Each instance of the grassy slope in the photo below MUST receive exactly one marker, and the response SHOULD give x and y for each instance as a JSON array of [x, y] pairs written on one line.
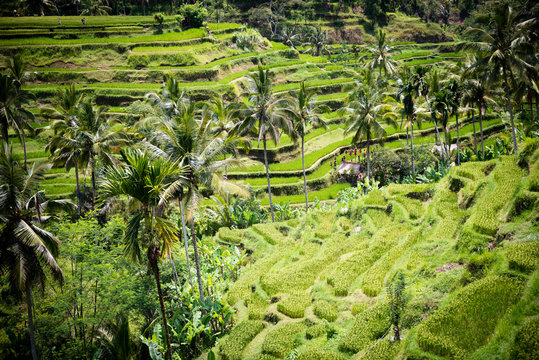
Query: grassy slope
[[463, 300]]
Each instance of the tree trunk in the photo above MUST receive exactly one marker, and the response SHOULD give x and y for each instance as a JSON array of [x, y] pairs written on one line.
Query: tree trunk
[[481, 132], [304, 176], [184, 233], [23, 138], [510, 108], [153, 254], [197, 262], [368, 159], [458, 139], [474, 133], [537, 106], [268, 178], [29, 306], [93, 186], [412, 142], [78, 187], [437, 133]]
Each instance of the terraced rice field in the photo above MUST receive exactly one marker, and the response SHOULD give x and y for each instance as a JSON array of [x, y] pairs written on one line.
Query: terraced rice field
[[119, 68]]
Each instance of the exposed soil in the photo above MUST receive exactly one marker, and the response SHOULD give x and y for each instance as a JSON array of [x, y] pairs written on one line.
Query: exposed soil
[[449, 266]]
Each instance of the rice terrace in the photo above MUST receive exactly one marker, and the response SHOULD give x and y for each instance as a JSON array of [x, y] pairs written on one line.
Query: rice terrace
[[263, 180]]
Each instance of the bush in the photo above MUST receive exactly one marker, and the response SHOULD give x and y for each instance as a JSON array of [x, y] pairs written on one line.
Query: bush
[[526, 345], [294, 305], [232, 346], [315, 331], [316, 354], [248, 39], [194, 15], [280, 340], [523, 256], [479, 306], [325, 310], [369, 326]]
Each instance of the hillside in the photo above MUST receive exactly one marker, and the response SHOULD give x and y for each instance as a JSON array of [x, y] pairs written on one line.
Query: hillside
[[118, 60], [315, 287]]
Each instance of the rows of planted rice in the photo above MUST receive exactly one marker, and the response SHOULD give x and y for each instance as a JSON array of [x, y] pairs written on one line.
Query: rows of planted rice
[[317, 288]]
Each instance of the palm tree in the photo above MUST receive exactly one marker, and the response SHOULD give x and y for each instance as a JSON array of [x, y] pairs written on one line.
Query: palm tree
[[85, 138], [144, 180], [17, 69], [504, 49], [380, 55], [476, 94], [440, 107], [187, 138], [317, 41], [365, 106], [306, 113], [288, 36], [96, 7], [454, 89], [405, 94], [224, 117], [12, 114], [68, 153], [27, 251], [266, 114]]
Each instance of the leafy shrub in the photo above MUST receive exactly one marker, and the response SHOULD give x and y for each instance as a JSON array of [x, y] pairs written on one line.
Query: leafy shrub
[[317, 354], [315, 331], [232, 346], [294, 305], [194, 15], [368, 326], [280, 340], [523, 256], [479, 305], [248, 39], [230, 235], [256, 307], [526, 345], [325, 310]]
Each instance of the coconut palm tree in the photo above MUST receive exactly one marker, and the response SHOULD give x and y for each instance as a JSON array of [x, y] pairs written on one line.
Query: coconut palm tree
[[365, 107], [95, 7], [188, 139], [12, 113], [504, 48], [266, 114], [317, 41], [85, 138], [27, 252], [379, 55], [405, 94], [440, 107], [144, 179], [306, 113], [454, 89], [17, 69]]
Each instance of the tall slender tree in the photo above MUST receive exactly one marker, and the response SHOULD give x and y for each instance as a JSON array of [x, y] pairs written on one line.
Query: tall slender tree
[[379, 55], [27, 252], [144, 180], [366, 108], [306, 113], [266, 114], [504, 48]]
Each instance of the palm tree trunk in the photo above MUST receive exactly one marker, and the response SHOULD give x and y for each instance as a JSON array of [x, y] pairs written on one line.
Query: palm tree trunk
[[368, 159], [412, 142], [197, 262], [510, 108], [304, 176], [23, 138], [474, 133], [153, 254], [437, 132], [29, 306], [458, 139], [481, 131], [537, 106], [184, 233], [93, 186], [268, 178], [79, 205]]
